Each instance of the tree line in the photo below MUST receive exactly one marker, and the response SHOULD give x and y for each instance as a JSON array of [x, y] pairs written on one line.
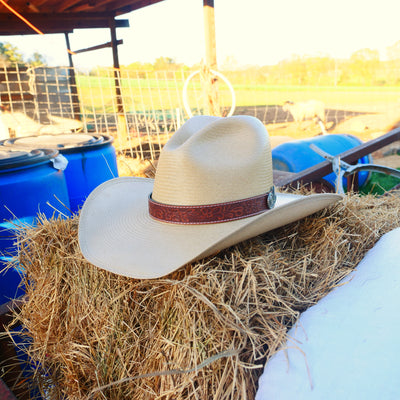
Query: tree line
[[363, 68], [10, 54]]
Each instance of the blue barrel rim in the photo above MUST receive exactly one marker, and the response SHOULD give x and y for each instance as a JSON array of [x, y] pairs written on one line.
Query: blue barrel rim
[[91, 160], [94, 142], [26, 158]]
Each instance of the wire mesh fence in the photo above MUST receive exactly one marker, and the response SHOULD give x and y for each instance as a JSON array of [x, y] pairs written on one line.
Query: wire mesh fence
[[142, 109]]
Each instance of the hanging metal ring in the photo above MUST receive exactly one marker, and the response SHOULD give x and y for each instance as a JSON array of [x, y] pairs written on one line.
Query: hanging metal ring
[[216, 73]]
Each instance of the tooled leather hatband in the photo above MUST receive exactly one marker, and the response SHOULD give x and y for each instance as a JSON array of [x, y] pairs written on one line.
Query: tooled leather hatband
[[212, 213]]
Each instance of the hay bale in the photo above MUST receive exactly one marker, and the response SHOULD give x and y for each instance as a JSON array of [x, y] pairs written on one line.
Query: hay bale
[[204, 331], [128, 166]]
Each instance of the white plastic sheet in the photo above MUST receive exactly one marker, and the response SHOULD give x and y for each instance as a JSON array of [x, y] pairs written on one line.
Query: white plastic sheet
[[347, 346]]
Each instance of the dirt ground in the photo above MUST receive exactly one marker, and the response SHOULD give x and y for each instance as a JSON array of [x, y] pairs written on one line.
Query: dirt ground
[[366, 125], [362, 122], [366, 122]]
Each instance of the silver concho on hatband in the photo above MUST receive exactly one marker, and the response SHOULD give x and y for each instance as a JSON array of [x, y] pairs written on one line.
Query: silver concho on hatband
[[271, 199]]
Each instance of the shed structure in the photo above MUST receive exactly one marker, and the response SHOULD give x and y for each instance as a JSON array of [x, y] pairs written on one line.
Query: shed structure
[[60, 16], [21, 17]]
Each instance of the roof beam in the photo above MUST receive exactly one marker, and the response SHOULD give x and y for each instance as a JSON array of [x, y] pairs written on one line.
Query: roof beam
[[126, 6], [57, 23], [67, 5]]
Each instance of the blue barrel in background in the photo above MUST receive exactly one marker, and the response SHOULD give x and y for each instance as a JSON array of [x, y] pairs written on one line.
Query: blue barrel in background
[[296, 156], [9, 231], [12, 286], [91, 160], [31, 184], [11, 273], [10, 280]]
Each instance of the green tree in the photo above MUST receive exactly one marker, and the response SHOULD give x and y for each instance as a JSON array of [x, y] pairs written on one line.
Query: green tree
[[294, 70], [393, 52], [10, 53], [37, 59], [392, 66], [363, 66], [164, 63], [140, 66]]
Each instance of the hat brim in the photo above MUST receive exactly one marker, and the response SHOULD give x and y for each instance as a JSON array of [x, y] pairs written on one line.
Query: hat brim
[[116, 232]]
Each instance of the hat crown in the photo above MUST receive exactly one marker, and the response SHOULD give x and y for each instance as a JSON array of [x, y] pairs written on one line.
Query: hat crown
[[212, 160]]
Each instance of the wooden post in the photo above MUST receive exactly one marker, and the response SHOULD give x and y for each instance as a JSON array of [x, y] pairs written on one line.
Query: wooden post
[[69, 51], [76, 109], [210, 81], [209, 30], [121, 121]]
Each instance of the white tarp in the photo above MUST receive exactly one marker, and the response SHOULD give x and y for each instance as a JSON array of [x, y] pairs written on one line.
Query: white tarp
[[347, 346]]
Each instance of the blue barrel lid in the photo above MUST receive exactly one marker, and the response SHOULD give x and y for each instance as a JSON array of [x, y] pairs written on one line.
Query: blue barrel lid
[[12, 158], [64, 143]]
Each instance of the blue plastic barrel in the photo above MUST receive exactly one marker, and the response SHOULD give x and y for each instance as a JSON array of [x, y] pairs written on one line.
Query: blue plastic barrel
[[91, 160], [30, 183], [9, 231], [11, 287], [11, 277], [296, 156], [10, 280]]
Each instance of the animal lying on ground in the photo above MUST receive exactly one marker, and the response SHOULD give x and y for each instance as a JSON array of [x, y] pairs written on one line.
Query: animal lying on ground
[[301, 111]]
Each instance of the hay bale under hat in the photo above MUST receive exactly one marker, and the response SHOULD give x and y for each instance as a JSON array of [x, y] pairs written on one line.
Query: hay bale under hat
[[204, 331]]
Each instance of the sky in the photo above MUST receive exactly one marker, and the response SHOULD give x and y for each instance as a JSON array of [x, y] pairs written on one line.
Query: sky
[[251, 32]]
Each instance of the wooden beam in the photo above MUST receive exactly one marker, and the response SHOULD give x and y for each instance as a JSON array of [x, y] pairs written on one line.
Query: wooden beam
[[57, 23], [209, 30], [76, 109], [13, 373], [67, 5], [85, 4], [67, 42], [121, 7], [68, 16], [106, 5], [98, 47], [32, 7], [5, 392], [84, 7], [121, 120], [113, 32]]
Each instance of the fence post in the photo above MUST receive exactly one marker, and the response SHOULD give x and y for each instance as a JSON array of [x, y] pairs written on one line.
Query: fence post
[[210, 81], [76, 110], [121, 120]]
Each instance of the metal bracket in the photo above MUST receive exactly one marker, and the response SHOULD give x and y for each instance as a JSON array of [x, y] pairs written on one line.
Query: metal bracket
[[343, 169]]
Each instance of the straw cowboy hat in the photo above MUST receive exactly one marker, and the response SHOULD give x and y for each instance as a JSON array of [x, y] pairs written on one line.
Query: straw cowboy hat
[[213, 188]]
